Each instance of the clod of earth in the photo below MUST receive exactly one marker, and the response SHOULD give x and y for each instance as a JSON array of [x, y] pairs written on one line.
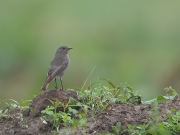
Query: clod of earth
[[41, 101]]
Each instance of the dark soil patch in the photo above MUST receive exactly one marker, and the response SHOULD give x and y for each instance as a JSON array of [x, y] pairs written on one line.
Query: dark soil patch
[[31, 123]]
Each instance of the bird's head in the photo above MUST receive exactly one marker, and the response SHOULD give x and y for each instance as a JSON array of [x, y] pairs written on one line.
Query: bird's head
[[63, 50]]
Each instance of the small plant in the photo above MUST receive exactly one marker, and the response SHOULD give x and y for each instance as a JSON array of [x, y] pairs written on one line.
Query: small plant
[[171, 94], [13, 104], [170, 127], [60, 119], [117, 128], [56, 118], [98, 97], [95, 99], [173, 124], [137, 130], [4, 114]]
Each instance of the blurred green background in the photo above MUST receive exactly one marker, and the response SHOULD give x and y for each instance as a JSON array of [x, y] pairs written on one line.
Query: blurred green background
[[137, 42]]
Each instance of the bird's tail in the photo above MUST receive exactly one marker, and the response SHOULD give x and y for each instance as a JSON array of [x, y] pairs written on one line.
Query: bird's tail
[[45, 86]]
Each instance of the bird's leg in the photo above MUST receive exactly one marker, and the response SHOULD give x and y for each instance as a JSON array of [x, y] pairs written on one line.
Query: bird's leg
[[55, 84], [61, 83]]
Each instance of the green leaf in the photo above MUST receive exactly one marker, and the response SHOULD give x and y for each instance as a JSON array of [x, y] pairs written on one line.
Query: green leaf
[[130, 126], [149, 101], [129, 87], [173, 109], [164, 116], [178, 112], [14, 101], [160, 98], [78, 104], [49, 112], [110, 83], [174, 118], [74, 111], [115, 129], [90, 86], [51, 108], [170, 97], [118, 125], [43, 111], [83, 122], [14, 105]]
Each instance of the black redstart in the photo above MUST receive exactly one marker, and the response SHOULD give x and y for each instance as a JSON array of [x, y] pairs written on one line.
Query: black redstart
[[58, 66]]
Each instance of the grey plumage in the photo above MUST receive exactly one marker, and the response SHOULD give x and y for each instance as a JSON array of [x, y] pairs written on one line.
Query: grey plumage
[[58, 66]]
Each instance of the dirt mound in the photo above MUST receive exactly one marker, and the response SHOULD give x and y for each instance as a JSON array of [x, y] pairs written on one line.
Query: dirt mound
[[31, 123], [128, 114], [41, 101]]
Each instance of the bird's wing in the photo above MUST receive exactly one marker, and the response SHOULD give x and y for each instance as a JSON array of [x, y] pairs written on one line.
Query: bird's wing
[[57, 69], [51, 70], [54, 66]]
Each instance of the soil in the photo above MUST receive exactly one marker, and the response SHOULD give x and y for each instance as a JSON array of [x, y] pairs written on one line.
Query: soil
[[31, 123]]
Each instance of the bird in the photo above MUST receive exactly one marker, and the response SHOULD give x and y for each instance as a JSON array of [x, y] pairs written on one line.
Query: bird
[[58, 67]]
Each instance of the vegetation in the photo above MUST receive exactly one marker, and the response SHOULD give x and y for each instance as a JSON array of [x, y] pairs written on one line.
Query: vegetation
[[97, 98], [12, 104], [170, 127]]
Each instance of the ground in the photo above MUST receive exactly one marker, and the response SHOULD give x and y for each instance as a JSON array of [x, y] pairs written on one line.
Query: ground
[[31, 123]]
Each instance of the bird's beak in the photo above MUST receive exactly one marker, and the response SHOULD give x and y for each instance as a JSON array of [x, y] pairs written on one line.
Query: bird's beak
[[69, 48]]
